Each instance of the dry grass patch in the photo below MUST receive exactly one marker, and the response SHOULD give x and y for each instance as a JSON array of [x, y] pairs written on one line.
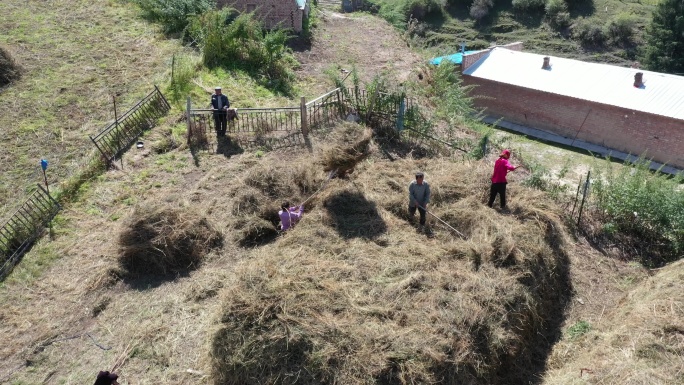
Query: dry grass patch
[[160, 240], [349, 145], [355, 295], [640, 342]]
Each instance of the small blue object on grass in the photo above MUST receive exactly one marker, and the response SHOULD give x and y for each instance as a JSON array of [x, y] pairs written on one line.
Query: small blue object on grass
[[43, 164]]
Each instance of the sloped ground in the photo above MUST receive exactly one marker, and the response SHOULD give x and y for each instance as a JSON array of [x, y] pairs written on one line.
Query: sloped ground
[[66, 313], [343, 41]]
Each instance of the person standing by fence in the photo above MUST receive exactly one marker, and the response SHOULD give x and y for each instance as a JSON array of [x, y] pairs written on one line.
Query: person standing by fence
[[419, 197], [501, 167], [220, 105]]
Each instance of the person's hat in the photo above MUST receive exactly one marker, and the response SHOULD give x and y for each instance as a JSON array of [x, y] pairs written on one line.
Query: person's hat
[[419, 174], [217, 88], [505, 154]]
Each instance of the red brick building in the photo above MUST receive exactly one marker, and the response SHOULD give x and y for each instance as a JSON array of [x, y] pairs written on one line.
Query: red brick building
[[289, 14], [625, 109]]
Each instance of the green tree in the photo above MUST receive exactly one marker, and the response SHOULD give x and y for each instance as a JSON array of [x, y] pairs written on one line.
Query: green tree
[[665, 50]]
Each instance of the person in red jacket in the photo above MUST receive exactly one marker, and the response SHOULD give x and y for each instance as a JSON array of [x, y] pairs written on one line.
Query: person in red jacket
[[501, 167]]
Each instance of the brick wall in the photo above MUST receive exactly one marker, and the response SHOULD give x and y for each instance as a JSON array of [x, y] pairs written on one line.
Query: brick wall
[[273, 13], [629, 131], [470, 59]]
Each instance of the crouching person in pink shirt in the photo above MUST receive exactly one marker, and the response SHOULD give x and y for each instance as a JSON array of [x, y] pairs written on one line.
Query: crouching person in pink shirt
[[289, 216], [501, 167]]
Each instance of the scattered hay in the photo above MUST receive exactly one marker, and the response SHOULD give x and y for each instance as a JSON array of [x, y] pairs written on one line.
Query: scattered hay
[[9, 69], [322, 305], [160, 240], [349, 146], [254, 231]]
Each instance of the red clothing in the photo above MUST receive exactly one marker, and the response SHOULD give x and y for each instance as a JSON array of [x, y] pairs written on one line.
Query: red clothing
[[501, 168]]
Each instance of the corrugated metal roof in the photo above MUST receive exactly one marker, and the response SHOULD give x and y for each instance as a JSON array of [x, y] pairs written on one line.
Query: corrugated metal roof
[[663, 94]]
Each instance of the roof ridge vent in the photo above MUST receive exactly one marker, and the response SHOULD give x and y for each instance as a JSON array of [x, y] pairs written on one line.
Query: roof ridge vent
[[547, 63]]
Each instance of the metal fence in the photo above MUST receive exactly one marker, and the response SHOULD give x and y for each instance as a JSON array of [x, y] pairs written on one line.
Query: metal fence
[[273, 128], [118, 136], [24, 227]]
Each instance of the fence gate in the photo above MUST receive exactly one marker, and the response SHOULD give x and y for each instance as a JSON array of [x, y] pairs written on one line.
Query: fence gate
[[118, 136], [24, 227]]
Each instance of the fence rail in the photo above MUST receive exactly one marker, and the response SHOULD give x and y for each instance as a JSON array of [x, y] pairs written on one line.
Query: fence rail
[[24, 227], [273, 128], [124, 131]]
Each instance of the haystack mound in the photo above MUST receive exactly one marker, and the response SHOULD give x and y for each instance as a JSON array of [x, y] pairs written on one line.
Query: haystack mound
[[348, 145], [9, 69], [386, 304], [160, 240], [641, 342]]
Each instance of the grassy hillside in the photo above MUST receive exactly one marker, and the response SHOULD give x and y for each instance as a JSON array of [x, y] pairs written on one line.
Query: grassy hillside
[[589, 31], [77, 56]]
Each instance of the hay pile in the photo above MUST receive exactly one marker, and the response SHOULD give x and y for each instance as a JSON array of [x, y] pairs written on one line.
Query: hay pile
[[641, 342], [354, 295], [160, 240], [9, 69], [348, 145], [254, 199]]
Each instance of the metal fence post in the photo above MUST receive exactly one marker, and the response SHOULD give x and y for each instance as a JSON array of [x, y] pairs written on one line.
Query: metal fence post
[[304, 118]]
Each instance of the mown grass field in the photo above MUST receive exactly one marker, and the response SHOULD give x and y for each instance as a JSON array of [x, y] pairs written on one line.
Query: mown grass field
[[77, 55]]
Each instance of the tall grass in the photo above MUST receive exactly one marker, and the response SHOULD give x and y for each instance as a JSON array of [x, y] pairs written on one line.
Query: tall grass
[[173, 15], [241, 43], [634, 201]]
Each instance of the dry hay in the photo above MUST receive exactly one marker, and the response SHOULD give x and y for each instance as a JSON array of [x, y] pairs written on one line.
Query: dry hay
[[348, 145], [160, 240], [641, 342], [9, 69], [385, 304], [256, 198]]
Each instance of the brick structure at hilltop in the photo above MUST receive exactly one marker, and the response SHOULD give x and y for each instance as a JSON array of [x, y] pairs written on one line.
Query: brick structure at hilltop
[[625, 109], [287, 14]]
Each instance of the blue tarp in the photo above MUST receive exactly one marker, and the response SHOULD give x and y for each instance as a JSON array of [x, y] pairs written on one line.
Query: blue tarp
[[456, 58]]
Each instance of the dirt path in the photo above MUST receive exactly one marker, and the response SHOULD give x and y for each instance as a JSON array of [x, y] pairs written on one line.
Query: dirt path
[[343, 41]]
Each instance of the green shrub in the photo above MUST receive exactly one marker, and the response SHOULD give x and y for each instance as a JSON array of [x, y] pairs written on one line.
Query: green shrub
[[621, 28], [635, 201], [173, 15], [480, 8], [528, 5], [243, 44], [554, 7], [588, 32]]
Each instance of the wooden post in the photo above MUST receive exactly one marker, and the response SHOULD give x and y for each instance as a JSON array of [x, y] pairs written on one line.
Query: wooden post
[[188, 117], [584, 196], [304, 118]]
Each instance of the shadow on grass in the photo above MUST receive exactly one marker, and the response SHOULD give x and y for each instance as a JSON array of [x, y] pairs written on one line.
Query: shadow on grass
[[353, 216], [152, 281]]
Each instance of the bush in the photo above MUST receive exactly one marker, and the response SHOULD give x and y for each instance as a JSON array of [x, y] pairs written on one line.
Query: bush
[[480, 8], [634, 201], [173, 15], [621, 28], [528, 5], [554, 7], [588, 32], [243, 44], [9, 69], [557, 13]]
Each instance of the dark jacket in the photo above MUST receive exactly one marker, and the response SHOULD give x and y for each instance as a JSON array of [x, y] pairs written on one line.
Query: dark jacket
[[224, 101]]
